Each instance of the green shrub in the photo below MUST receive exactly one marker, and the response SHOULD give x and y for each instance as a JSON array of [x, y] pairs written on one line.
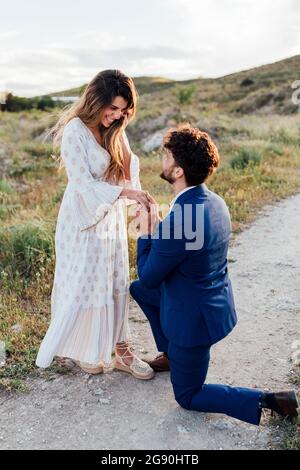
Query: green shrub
[[5, 187], [245, 157], [8, 200], [36, 149], [185, 94], [284, 136], [20, 168], [3, 211], [25, 249], [20, 103], [275, 149]]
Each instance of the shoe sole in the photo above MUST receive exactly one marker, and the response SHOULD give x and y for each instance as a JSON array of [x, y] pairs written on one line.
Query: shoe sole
[[90, 370], [157, 369], [127, 369]]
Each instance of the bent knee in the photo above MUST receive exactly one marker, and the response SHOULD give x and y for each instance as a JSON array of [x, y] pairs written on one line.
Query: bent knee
[[134, 288], [183, 399]]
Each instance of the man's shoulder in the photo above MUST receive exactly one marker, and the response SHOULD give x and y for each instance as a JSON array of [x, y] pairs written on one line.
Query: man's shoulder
[[197, 207], [206, 197]]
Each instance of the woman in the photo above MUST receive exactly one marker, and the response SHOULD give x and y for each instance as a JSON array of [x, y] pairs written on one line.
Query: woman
[[89, 301]]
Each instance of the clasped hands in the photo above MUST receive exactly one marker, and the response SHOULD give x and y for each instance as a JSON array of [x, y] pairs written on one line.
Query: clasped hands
[[147, 219]]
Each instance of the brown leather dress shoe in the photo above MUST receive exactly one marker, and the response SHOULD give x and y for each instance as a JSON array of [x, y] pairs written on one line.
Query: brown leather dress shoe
[[160, 363], [285, 403]]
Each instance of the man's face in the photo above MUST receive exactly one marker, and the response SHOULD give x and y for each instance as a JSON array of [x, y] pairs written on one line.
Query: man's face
[[168, 167]]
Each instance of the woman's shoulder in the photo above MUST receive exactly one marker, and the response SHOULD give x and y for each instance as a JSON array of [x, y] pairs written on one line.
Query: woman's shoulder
[[74, 124]]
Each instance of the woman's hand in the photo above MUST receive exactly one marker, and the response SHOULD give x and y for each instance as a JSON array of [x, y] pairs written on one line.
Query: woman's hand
[[143, 198]]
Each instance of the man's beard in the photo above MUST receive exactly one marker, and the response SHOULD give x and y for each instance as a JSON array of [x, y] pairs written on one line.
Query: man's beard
[[168, 176]]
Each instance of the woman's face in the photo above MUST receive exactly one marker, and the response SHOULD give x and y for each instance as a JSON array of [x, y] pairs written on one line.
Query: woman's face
[[114, 111]]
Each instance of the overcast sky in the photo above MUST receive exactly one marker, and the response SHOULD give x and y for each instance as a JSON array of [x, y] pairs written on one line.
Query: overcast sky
[[47, 46]]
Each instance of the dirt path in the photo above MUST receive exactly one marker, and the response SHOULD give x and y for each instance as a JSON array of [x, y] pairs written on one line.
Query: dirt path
[[115, 411]]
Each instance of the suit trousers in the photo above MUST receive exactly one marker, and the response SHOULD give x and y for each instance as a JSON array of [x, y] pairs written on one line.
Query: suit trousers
[[189, 366]]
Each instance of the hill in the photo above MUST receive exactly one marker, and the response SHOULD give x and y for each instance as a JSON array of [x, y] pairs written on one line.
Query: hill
[[264, 89], [143, 85]]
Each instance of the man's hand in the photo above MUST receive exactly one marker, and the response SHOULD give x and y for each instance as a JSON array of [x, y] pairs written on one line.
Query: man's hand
[[148, 221]]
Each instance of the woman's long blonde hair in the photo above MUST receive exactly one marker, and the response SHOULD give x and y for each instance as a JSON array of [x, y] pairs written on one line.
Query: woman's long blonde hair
[[99, 94]]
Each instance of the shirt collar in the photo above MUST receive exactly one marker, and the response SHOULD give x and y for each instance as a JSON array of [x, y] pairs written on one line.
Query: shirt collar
[[179, 194]]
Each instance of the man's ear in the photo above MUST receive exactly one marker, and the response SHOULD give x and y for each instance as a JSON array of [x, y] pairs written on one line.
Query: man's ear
[[179, 173]]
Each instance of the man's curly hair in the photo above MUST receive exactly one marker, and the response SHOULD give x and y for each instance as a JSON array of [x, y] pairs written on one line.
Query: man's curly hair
[[194, 151]]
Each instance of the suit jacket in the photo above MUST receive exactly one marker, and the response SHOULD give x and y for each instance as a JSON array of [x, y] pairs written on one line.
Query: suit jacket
[[186, 258]]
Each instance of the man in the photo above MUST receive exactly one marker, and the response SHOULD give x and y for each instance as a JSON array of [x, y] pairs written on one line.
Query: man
[[184, 288]]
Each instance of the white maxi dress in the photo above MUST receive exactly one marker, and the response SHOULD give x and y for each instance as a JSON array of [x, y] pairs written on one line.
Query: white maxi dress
[[89, 300]]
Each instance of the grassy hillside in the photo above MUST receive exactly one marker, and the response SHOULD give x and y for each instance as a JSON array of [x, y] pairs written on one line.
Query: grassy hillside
[[265, 89], [143, 85]]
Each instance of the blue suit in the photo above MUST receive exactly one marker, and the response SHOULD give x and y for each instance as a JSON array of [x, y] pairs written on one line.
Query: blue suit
[[185, 292]]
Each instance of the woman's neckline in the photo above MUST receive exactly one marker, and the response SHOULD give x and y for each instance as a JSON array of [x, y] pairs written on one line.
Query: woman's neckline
[[92, 134], [89, 130]]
